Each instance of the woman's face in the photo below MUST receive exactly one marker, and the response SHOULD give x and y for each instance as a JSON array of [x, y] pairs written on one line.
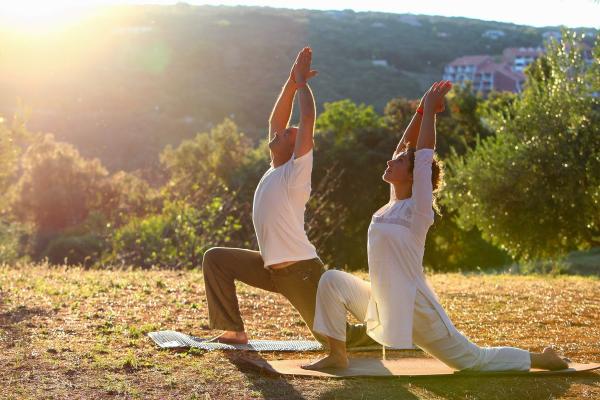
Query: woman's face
[[398, 169]]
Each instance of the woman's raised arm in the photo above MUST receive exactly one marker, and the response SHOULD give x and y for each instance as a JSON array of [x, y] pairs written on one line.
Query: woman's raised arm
[[433, 100]]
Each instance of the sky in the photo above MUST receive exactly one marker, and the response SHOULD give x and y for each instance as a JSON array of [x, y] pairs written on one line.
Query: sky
[[572, 13]]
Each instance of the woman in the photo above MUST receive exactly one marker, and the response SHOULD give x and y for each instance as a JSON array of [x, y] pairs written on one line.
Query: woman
[[398, 306]]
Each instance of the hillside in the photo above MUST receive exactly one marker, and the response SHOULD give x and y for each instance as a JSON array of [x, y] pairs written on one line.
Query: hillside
[[124, 84]]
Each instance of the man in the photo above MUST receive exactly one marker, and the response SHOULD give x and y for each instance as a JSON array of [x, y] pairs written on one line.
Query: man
[[287, 262]]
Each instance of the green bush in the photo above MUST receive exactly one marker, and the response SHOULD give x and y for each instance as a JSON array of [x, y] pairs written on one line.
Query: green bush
[[175, 238], [534, 188], [12, 239], [75, 249]]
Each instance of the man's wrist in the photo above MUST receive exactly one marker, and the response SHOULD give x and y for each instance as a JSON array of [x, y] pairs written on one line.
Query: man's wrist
[[300, 84]]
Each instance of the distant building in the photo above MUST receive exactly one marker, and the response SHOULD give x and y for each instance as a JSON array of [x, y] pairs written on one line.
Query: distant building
[[463, 68], [410, 20], [380, 63], [552, 35], [484, 74], [520, 57], [493, 34], [498, 77]]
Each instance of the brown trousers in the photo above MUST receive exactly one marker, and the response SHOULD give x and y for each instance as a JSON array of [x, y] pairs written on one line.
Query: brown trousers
[[298, 283]]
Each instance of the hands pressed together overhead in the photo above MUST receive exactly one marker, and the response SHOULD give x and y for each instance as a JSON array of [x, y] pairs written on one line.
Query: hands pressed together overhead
[[433, 99], [301, 71]]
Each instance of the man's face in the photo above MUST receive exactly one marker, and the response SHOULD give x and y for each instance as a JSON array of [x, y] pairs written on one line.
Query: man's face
[[282, 144]]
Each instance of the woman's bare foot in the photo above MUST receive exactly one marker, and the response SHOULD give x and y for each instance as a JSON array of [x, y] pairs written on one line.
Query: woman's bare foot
[[331, 361], [231, 337], [548, 359]]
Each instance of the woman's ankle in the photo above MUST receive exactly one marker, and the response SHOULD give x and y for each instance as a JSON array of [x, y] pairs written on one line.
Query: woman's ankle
[[337, 349]]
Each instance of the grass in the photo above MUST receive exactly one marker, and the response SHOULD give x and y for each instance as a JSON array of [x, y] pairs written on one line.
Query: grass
[[585, 263], [75, 333]]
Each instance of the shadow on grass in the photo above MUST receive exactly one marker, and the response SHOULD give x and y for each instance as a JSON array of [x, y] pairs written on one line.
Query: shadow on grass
[[14, 326], [273, 386], [475, 387], [268, 385], [20, 314]]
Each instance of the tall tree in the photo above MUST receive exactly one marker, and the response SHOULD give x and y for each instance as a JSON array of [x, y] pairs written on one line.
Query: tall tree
[[534, 187]]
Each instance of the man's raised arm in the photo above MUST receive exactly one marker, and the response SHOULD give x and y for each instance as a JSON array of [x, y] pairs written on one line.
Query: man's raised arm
[[282, 111], [302, 73]]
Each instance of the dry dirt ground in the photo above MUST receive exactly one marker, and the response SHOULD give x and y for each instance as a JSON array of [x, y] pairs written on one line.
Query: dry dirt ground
[[71, 333]]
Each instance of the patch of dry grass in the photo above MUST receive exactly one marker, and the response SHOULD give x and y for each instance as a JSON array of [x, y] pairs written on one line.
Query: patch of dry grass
[[75, 333]]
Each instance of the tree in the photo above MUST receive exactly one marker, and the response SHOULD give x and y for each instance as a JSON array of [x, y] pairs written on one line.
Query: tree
[[201, 164], [58, 187], [534, 187], [129, 196], [345, 118], [222, 164], [397, 114], [351, 148], [175, 238], [13, 138]]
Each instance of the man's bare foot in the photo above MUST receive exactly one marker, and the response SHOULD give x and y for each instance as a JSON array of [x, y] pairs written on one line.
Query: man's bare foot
[[231, 337], [331, 361], [548, 359]]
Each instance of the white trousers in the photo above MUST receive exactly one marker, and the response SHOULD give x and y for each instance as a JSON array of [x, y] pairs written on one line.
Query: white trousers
[[340, 292]]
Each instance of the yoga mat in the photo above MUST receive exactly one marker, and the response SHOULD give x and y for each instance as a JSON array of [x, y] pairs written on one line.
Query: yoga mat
[[408, 366], [178, 340]]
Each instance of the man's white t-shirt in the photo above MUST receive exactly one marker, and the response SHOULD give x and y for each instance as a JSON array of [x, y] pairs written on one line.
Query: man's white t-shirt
[[278, 211]]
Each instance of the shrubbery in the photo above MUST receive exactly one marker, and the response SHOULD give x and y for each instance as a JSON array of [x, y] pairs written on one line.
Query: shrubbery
[[534, 187], [175, 238]]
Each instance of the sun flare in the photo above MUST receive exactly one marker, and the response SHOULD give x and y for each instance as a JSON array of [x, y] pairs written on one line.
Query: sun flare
[[39, 17]]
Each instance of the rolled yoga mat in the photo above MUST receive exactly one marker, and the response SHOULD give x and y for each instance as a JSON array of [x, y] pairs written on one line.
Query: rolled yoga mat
[[178, 340], [408, 366]]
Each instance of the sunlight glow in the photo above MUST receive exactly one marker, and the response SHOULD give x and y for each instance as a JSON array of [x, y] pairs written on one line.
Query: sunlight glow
[[39, 16]]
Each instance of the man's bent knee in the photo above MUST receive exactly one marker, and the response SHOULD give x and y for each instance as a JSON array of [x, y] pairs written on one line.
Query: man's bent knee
[[210, 257]]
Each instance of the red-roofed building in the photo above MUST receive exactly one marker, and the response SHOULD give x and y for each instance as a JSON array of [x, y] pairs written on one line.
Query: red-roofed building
[[463, 69], [486, 75], [520, 57]]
